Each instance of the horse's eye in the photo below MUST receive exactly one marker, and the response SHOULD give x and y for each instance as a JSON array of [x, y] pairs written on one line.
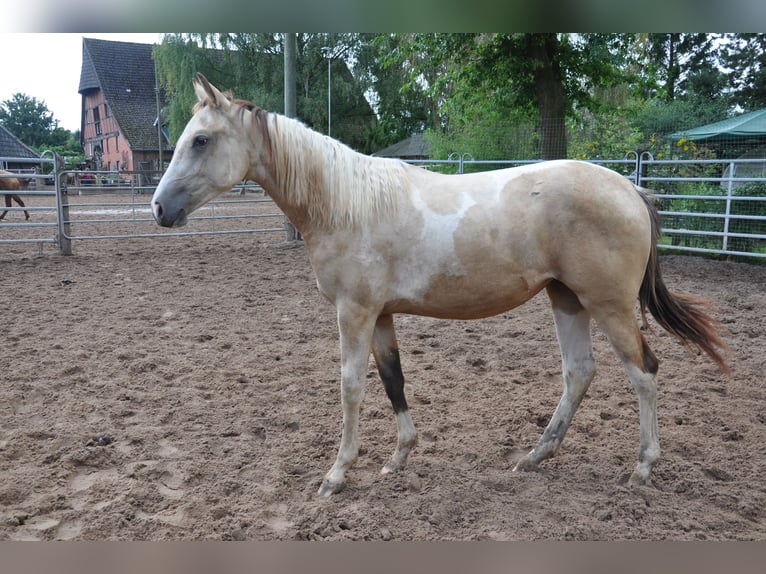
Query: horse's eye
[[200, 141]]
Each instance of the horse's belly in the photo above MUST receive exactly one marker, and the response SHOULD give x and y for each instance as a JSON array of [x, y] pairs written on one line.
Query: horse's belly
[[468, 297]]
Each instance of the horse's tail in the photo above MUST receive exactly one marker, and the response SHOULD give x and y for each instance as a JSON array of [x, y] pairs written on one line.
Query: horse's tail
[[682, 315]]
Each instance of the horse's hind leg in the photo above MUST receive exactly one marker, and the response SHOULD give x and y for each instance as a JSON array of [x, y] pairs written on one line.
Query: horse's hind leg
[[641, 365], [578, 367], [21, 204], [386, 352]]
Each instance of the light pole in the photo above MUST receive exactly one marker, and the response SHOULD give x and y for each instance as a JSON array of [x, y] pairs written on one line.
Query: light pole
[[327, 51], [160, 163]]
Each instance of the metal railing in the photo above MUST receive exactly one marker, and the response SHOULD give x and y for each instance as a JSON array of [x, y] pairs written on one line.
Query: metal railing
[[106, 205], [708, 206], [43, 225], [68, 206]]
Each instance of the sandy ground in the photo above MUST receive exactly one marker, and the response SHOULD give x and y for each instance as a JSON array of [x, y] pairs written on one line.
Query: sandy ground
[[187, 388]]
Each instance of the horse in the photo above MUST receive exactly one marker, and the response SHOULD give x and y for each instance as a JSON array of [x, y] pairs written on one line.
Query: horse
[[386, 237], [12, 184]]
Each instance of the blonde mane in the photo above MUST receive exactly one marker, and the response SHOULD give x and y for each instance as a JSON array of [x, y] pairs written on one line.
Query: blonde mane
[[338, 186]]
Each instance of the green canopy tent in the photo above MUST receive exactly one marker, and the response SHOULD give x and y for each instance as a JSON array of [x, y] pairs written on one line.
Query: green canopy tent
[[736, 129], [741, 137]]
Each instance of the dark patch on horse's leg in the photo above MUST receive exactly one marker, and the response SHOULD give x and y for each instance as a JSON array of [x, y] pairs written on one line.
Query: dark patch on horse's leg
[[651, 364], [386, 354], [390, 370]]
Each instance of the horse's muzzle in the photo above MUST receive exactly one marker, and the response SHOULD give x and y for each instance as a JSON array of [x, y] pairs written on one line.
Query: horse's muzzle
[[168, 218]]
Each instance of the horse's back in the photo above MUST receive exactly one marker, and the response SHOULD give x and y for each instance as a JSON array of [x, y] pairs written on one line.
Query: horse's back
[[8, 183]]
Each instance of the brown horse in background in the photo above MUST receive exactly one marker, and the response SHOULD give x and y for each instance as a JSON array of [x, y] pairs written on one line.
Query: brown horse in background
[[12, 184]]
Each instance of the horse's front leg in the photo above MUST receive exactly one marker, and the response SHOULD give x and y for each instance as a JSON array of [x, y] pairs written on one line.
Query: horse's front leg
[[356, 325], [386, 352]]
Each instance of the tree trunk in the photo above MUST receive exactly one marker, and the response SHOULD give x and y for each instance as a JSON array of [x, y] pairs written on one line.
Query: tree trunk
[[289, 53], [543, 49]]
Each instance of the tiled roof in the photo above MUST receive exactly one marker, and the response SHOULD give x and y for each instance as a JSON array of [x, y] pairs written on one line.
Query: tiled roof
[[124, 71], [11, 146]]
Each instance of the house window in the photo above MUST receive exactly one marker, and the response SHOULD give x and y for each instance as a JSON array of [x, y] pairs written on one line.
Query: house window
[[97, 120]]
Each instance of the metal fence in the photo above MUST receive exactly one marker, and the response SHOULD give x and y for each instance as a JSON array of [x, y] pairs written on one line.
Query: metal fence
[[111, 206], [39, 202], [708, 206], [70, 206]]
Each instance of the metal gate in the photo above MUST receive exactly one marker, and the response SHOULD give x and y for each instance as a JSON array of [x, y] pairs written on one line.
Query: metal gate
[[68, 205], [112, 205], [709, 206], [40, 202]]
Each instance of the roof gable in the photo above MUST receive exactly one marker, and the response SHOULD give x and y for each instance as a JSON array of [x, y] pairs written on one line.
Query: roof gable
[[11, 146], [124, 72], [414, 147]]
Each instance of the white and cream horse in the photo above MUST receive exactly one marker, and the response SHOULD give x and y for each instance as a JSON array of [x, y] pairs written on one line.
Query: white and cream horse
[[385, 237]]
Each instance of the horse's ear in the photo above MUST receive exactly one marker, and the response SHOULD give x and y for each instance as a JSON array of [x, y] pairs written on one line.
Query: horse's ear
[[207, 91]]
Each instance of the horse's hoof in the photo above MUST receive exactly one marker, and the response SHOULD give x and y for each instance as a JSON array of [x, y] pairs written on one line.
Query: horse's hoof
[[525, 465], [328, 488], [390, 468], [638, 479]]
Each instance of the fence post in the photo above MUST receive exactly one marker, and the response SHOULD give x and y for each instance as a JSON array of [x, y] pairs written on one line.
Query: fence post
[[641, 166], [635, 165], [62, 200], [461, 157], [727, 214]]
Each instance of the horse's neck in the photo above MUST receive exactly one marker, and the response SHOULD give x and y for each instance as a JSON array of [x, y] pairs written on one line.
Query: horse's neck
[[280, 159]]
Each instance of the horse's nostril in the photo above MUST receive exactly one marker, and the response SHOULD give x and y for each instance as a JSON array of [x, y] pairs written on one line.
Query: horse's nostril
[[157, 208]]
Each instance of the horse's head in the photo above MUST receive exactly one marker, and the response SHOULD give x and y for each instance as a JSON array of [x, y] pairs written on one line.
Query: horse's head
[[210, 157]]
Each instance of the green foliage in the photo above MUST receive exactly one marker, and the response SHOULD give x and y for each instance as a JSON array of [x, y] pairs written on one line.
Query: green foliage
[[608, 135], [251, 66], [492, 95], [487, 133], [30, 120], [745, 55], [33, 123], [477, 80]]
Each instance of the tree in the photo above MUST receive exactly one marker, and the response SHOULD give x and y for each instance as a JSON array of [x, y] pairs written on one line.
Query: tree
[[745, 56], [543, 75], [32, 122], [401, 108], [252, 67], [684, 62]]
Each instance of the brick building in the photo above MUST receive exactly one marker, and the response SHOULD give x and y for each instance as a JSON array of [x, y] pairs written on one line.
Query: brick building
[[120, 108]]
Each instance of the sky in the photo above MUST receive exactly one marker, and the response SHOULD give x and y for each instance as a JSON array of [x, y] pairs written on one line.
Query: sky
[[47, 67]]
